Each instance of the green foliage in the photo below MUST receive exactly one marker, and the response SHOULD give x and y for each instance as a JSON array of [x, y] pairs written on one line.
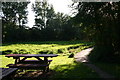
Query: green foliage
[[20, 51], [100, 23], [43, 12], [7, 52], [53, 47], [49, 26], [46, 52], [61, 50], [71, 55], [13, 20]]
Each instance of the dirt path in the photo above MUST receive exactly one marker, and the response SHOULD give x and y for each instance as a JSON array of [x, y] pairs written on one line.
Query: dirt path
[[82, 57]]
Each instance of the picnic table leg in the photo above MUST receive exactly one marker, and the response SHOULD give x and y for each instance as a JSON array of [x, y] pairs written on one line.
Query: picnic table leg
[[38, 58], [24, 59], [47, 69], [17, 59], [46, 59]]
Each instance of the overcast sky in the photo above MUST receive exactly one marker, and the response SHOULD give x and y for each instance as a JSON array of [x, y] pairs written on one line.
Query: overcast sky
[[59, 6]]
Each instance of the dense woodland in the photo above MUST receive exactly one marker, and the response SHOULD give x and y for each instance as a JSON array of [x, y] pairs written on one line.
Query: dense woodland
[[97, 22]]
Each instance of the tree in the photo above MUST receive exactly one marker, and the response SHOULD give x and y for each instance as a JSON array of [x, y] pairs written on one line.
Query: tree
[[53, 26], [15, 12], [14, 18], [101, 21], [43, 12]]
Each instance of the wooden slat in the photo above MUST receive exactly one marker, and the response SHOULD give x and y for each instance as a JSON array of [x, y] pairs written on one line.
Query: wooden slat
[[44, 67], [33, 62], [7, 71], [28, 66], [31, 55]]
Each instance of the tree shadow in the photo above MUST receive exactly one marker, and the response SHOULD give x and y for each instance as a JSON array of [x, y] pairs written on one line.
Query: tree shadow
[[32, 75], [76, 71]]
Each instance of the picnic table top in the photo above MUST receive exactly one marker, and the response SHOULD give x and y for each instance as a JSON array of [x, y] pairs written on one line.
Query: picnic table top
[[31, 55]]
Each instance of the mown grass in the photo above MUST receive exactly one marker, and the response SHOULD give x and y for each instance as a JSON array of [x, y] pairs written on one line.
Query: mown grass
[[47, 47], [66, 68], [63, 66]]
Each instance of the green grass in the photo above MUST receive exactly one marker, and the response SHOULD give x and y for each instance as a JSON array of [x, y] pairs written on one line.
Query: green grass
[[51, 47], [111, 68], [66, 68], [63, 66]]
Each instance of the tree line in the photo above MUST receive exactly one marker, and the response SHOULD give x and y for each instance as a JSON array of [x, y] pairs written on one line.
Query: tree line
[[48, 24], [102, 23]]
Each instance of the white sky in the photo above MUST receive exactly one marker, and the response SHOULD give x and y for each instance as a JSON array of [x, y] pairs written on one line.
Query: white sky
[[59, 6]]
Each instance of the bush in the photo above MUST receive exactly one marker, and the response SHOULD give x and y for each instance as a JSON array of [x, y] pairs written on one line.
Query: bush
[[21, 51], [71, 55], [43, 52], [101, 54], [60, 50], [7, 52], [46, 52]]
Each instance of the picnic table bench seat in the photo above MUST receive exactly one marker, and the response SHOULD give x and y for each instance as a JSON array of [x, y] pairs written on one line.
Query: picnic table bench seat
[[7, 73], [33, 62], [44, 67]]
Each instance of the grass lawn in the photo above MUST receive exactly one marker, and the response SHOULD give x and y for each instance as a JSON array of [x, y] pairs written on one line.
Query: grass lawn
[[66, 68], [63, 66]]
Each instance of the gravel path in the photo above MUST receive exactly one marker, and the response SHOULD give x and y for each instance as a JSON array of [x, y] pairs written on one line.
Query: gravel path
[[82, 57]]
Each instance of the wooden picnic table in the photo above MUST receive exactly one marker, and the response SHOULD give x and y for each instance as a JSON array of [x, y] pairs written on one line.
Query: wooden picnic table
[[25, 56], [31, 64]]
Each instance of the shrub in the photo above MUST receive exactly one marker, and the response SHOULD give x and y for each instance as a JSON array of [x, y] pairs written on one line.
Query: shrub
[[7, 52], [21, 51], [60, 50], [44, 52], [101, 54], [71, 55]]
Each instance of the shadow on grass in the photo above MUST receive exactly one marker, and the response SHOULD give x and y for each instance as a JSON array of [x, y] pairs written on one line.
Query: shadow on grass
[[74, 72], [32, 75], [63, 72], [111, 68]]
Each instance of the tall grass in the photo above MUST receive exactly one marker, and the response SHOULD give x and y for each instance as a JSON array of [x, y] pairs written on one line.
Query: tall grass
[[52, 47]]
